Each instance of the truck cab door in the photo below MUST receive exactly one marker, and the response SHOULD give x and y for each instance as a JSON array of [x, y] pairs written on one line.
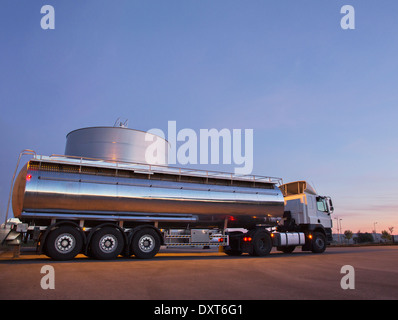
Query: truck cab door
[[323, 213]]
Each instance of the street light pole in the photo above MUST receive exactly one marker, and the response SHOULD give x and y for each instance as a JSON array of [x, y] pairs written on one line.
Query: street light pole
[[338, 232], [341, 230]]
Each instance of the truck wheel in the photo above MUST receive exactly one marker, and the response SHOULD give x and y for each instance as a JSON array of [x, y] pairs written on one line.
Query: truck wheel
[[288, 249], [145, 243], [232, 252], [318, 242], [63, 243], [106, 244], [262, 243]]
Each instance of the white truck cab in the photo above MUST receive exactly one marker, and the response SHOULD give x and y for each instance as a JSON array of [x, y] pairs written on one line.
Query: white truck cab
[[305, 205], [307, 212]]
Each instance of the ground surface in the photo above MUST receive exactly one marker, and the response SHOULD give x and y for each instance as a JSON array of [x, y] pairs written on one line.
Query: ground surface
[[207, 274]]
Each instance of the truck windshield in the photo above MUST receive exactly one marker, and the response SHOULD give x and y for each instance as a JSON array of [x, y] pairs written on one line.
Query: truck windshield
[[321, 204]]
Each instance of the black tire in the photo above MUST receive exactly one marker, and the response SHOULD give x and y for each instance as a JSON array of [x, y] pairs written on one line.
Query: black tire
[[232, 252], [318, 242], [106, 244], [262, 243], [288, 249], [145, 243], [63, 243]]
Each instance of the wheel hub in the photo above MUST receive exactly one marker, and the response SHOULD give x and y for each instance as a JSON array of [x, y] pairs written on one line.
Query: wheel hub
[[65, 243], [108, 243], [146, 243]]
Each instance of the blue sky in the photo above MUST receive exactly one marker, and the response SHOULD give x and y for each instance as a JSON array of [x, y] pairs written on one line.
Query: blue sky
[[322, 101]]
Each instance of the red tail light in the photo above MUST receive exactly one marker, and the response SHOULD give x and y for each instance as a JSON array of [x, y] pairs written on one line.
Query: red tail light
[[28, 177], [247, 239]]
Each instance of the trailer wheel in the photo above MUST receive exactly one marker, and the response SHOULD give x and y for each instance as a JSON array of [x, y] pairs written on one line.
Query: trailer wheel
[[262, 243], [145, 243], [106, 244], [63, 243], [318, 242]]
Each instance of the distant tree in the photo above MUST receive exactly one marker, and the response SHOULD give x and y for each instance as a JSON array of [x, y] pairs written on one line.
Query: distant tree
[[363, 237], [385, 235], [391, 230], [355, 239], [348, 234]]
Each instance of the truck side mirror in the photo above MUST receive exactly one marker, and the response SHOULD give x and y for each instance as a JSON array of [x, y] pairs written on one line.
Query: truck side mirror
[[331, 205]]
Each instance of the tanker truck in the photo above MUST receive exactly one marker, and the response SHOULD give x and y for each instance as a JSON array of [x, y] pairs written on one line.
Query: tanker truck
[[103, 208]]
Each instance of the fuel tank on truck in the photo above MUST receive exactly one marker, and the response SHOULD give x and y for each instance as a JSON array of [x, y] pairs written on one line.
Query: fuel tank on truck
[[61, 188], [103, 176]]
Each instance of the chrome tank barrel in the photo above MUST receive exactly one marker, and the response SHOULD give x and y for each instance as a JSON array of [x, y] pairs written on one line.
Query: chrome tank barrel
[[74, 191]]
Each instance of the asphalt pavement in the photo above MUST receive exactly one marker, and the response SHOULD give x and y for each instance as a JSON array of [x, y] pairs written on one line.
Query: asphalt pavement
[[197, 274]]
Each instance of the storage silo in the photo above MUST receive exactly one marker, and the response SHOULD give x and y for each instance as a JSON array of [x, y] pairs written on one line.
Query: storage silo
[[115, 143]]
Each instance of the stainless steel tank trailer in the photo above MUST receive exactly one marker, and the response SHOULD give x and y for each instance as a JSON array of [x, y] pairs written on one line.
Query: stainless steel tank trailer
[[101, 199]]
